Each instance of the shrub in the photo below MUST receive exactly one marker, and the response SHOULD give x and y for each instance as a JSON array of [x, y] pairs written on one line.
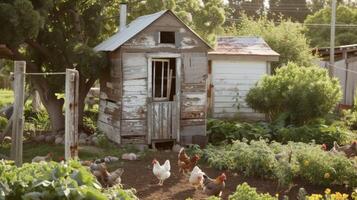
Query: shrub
[[54, 181], [245, 192], [319, 133], [303, 93]]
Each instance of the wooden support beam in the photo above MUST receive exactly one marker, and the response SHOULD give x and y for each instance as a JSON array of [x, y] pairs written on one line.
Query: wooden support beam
[[18, 114], [71, 114]]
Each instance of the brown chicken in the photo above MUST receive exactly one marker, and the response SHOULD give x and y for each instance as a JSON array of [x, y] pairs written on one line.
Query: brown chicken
[[115, 177], [102, 174], [349, 150], [214, 187], [185, 163]]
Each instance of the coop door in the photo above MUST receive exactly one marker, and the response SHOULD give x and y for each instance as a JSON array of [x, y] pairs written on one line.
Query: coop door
[[163, 98]]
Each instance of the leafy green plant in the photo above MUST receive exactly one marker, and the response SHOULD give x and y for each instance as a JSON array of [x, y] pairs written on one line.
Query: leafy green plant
[[54, 181], [225, 131], [245, 192], [304, 93], [319, 133], [284, 162]]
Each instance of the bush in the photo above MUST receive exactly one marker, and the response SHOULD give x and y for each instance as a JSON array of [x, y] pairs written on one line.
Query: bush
[[54, 181], [3, 123], [303, 93], [245, 192], [319, 133]]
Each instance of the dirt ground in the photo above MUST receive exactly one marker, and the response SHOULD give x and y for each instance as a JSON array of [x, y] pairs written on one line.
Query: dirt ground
[[138, 175]]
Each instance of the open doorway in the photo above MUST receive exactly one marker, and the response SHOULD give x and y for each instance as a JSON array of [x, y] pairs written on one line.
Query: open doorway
[[164, 79]]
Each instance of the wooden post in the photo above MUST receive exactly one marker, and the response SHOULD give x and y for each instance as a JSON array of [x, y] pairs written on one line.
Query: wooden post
[[18, 114], [71, 116]]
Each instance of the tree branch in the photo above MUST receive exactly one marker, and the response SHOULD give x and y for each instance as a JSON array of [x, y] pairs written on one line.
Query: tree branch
[[39, 48]]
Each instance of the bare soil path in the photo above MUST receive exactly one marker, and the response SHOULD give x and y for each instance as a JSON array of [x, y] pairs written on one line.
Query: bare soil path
[[138, 175]]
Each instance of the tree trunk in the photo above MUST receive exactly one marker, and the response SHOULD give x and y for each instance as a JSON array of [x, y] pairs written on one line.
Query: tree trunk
[[36, 101], [53, 105], [84, 87]]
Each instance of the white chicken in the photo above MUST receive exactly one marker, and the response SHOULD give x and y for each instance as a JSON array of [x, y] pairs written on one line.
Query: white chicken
[[162, 172], [46, 158], [196, 177]]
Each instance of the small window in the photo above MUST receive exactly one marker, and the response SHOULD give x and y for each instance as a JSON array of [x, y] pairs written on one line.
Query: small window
[[167, 37]]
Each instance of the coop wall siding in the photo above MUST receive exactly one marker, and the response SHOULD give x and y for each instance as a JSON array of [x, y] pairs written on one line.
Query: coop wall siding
[[232, 79]]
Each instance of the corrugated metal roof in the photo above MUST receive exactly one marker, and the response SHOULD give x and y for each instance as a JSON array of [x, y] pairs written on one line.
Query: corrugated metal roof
[[126, 34], [237, 45], [133, 29]]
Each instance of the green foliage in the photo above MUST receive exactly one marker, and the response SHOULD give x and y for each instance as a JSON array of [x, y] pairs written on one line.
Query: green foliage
[[284, 162], [3, 123], [245, 192], [224, 131], [321, 168], [54, 181], [302, 93], [286, 38], [6, 97], [320, 133], [38, 121], [320, 35]]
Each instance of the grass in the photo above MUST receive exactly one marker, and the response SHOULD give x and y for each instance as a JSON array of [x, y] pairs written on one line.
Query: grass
[[6, 97]]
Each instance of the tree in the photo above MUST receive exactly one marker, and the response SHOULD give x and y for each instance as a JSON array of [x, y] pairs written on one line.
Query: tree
[[319, 35], [301, 93], [252, 8], [54, 35], [286, 38], [296, 10]]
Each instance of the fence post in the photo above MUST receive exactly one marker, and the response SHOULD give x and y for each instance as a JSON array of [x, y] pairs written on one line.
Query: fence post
[[18, 113], [71, 114]]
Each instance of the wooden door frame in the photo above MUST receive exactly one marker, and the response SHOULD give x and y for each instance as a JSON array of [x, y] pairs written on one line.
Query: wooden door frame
[[178, 58]]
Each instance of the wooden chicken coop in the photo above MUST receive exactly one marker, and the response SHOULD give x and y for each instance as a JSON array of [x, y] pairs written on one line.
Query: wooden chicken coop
[[155, 88]]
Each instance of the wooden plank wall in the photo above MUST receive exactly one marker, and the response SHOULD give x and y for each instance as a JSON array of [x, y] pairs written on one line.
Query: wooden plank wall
[[232, 81], [134, 102], [194, 96], [110, 101]]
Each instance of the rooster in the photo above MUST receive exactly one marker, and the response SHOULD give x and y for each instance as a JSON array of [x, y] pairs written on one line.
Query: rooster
[[46, 158], [196, 177], [214, 187], [162, 172], [115, 177], [185, 163]]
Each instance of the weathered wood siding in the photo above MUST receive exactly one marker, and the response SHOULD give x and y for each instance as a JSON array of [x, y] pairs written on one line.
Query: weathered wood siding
[[194, 95], [110, 100], [134, 101], [147, 40], [231, 82]]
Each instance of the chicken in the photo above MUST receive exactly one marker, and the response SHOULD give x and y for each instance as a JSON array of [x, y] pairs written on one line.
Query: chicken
[[115, 177], [196, 177], [349, 150], [46, 158], [185, 163], [102, 174], [324, 147], [214, 187], [162, 172]]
